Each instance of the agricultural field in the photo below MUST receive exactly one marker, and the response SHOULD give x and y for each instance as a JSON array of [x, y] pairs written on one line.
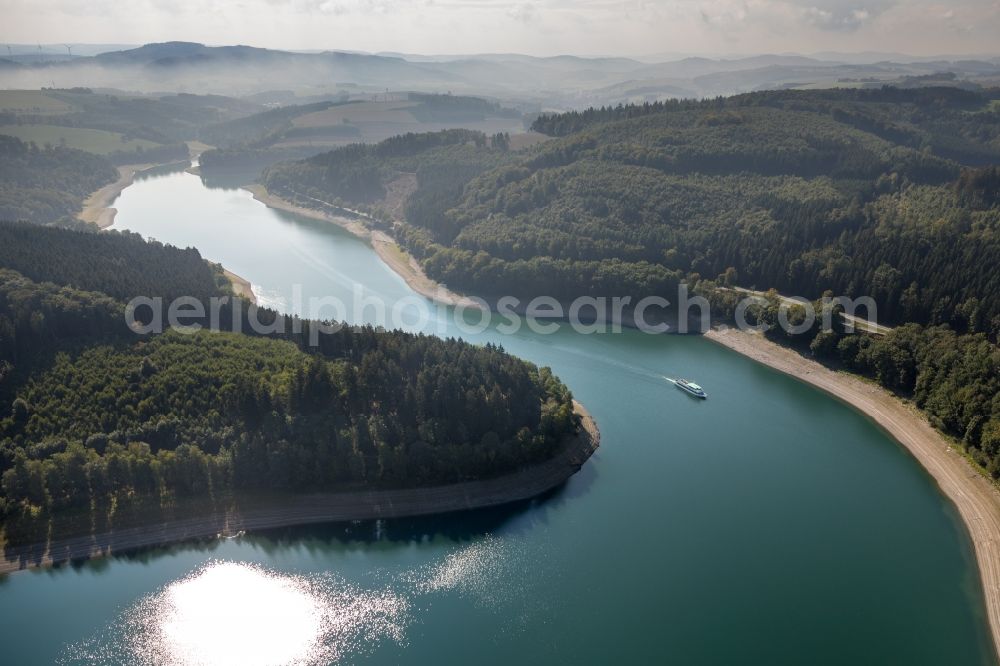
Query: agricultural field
[[374, 121], [31, 101], [526, 139], [822, 85], [359, 112], [96, 141]]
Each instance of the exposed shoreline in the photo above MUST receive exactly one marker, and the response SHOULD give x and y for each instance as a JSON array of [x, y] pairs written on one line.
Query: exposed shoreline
[[241, 286], [322, 508], [975, 497], [385, 247], [97, 207], [97, 210], [247, 514]]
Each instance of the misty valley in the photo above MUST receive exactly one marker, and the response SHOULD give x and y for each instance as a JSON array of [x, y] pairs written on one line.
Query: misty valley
[[305, 359]]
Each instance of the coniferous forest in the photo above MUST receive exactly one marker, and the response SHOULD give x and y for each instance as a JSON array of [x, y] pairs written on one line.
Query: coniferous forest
[[891, 194], [99, 414], [47, 184], [880, 193], [885, 193]]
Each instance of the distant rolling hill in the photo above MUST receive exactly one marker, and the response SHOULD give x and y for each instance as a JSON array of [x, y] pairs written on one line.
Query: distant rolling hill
[[550, 82]]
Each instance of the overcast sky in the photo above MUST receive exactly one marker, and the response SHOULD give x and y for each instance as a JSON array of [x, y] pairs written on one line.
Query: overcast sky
[[542, 27]]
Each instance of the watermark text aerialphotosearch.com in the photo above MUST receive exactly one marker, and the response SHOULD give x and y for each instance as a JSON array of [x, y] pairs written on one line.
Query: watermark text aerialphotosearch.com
[[507, 315]]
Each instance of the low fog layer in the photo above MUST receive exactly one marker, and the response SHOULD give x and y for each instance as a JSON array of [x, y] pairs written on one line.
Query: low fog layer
[[566, 81]]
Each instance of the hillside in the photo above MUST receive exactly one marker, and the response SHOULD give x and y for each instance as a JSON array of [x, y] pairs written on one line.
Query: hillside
[[302, 130], [800, 191], [102, 416], [125, 127], [561, 82], [47, 184], [881, 194]]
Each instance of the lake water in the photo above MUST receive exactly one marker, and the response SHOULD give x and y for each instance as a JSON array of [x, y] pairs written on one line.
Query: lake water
[[769, 524]]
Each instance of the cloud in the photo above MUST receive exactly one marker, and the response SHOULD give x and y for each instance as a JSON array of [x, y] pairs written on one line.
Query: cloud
[[843, 15], [341, 7], [828, 15], [723, 15], [522, 12], [626, 27]]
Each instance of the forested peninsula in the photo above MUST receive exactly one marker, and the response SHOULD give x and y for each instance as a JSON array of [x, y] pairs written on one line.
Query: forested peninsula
[[102, 420]]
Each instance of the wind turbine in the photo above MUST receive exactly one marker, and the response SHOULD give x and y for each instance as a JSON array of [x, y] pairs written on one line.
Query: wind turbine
[[69, 49]]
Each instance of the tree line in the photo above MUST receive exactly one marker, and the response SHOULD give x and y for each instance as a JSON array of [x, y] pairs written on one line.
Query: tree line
[[99, 415], [888, 193], [119, 263], [801, 191], [47, 185]]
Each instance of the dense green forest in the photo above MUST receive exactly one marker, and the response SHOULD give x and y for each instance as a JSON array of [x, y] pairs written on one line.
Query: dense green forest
[[99, 415], [359, 173], [431, 108], [118, 263], [47, 185], [949, 121], [884, 193], [878, 193], [248, 159], [562, 124]]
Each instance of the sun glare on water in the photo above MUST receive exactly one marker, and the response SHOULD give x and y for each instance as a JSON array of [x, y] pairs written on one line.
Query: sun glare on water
[[229, 613], [232, 614]]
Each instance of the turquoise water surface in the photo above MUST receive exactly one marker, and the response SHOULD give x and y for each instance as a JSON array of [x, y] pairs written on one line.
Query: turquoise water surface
[[769, 524]]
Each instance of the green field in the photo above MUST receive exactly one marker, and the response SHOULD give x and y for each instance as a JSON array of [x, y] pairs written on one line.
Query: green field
[[826, 85], [91, 140], [377, 121], [32, 101]]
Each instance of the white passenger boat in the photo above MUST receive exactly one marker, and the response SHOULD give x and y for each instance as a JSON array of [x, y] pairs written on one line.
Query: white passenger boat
[[690, 387]]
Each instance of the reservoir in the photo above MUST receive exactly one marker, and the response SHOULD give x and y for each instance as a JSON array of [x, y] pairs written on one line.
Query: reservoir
[[769, 524]]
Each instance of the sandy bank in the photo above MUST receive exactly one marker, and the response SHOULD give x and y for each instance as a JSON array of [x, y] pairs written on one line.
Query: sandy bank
[[385, 247], [97, 207], [241, 286], [195, 149], [321, 508], [977, 499], [97, 210]]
